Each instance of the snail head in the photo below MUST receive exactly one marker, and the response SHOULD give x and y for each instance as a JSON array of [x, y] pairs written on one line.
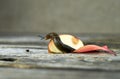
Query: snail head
[[51, 35]]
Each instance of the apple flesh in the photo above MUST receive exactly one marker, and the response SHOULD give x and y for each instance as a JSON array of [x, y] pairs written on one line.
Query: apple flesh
[[69, 40]]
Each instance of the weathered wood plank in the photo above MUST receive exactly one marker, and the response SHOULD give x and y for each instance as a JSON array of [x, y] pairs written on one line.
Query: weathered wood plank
[[30, 54]]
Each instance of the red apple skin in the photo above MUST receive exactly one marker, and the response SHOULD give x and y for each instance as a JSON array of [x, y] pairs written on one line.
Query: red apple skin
[[90, 48]]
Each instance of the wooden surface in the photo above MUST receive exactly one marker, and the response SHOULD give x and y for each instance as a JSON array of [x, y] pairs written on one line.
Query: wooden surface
[[26, 57]]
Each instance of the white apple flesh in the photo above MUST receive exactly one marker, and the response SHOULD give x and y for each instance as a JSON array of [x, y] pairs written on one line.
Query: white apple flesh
[[66, 39]]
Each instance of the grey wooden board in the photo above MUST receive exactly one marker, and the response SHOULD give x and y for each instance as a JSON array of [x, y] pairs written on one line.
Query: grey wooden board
[[28, 55], [13, 73]]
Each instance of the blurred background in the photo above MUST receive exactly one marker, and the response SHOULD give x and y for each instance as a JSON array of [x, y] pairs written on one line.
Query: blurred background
[[71, 16]]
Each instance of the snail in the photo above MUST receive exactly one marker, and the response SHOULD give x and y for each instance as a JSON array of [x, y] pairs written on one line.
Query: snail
[[65, 43]]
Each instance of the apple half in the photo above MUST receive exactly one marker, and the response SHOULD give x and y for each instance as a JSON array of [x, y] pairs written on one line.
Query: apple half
[[60, 46], [66, 39]]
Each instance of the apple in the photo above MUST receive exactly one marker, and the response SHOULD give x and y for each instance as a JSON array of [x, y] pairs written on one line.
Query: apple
[[65, 43]]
